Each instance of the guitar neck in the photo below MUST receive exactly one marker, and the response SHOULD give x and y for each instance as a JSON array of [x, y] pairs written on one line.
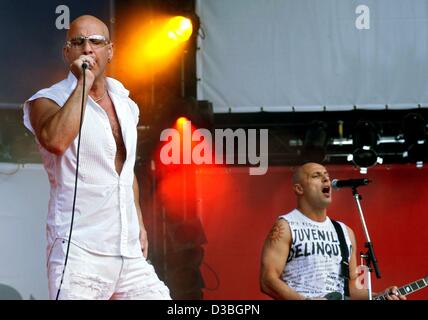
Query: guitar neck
[[408, 288]]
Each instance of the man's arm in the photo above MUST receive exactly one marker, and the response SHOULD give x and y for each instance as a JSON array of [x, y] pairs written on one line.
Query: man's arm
[[356, 290], [143, 234], [274, 258], [56, 127]]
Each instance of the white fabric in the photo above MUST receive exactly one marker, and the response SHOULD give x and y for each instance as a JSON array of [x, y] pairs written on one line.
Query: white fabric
[[106, 219], [313, 264], [276, 54], [24, 194], [91, 276]]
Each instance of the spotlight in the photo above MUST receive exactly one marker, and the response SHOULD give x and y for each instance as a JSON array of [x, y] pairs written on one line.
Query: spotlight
[[414, 132], [199, 112], [314, 145], [364, 143], [181, 121], [179, 28], [414, 128]]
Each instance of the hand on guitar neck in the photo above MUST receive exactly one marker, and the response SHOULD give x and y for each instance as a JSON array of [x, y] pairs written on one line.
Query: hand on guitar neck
[[394, 293], [390, 293]]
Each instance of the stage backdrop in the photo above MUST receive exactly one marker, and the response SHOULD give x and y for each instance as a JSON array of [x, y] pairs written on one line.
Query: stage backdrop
[[311, 54], [24, 192], [31, 57], [239, 211]]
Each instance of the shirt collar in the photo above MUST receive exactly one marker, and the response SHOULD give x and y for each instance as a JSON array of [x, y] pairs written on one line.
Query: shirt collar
[[113, 85]]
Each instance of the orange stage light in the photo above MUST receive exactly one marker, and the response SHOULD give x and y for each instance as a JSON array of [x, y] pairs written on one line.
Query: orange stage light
[[181, 121], [150, 44], [179, 28]]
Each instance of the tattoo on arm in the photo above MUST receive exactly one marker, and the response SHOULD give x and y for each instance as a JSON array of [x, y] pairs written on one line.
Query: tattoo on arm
[[275, 233]]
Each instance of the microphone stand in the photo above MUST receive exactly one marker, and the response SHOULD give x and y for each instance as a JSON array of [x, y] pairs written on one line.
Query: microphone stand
[[369, 256]]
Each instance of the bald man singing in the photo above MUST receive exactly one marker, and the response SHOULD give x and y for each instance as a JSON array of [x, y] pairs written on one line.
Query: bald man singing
[[106, 253], [301, 257]]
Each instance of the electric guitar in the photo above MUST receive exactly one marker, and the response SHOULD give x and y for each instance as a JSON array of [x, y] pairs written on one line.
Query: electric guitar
[[408, 288], [404, 290]]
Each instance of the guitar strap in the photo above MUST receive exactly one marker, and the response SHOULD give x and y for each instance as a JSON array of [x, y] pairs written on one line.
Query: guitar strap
[[344, 264]]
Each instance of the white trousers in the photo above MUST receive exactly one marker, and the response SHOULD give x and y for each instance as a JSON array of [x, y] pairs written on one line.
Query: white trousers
[[93, 276]]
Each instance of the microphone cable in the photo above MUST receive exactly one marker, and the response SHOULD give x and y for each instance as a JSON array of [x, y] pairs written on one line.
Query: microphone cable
[[84, 67]]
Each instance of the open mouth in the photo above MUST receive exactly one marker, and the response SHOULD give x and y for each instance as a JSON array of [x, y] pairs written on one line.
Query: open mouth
[[326, 191]]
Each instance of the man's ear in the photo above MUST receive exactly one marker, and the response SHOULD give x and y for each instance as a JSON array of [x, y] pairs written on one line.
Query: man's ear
[[298, 189], [64, 54], [110, 52]]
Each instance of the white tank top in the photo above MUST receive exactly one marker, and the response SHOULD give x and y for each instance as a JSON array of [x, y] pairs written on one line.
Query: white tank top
[[313, 264]]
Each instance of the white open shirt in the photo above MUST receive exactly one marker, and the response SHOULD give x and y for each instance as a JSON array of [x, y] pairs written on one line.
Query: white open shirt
[[105, 219]]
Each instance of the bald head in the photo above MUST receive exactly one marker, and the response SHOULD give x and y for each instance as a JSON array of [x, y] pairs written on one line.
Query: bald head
[[100, 54], [87, 25], [299, 173], [312, 187], [302, 171]]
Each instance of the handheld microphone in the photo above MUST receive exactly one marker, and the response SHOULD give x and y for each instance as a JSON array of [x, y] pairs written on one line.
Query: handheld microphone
[[351, 183], [84, 66]]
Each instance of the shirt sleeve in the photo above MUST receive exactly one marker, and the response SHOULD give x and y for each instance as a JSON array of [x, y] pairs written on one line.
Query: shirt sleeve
[[44, 93], [135, 112]]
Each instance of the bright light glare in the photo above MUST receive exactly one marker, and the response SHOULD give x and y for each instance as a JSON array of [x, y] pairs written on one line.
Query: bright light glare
[[181, 121], [179, 29]]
